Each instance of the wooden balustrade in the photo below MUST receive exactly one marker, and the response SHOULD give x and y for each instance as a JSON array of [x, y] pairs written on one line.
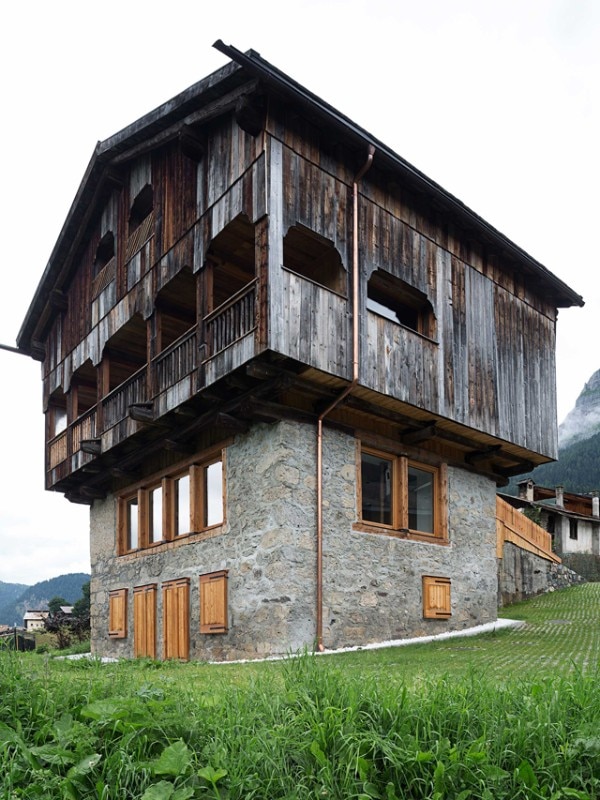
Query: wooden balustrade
[[58, 449], [84, 427], [115, 406], [175, 362], [513, 526], [231, 320]]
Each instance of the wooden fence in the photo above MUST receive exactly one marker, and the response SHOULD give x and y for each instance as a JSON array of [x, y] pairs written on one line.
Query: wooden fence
[[513, 526]]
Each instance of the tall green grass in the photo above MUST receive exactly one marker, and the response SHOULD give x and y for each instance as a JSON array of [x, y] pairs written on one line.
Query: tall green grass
[[306, 728]]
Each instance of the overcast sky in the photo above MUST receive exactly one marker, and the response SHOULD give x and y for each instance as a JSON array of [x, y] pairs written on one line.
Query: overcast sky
[[496, 100]]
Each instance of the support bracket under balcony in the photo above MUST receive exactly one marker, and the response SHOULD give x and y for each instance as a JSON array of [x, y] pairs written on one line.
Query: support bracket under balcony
[[91, 446], [142, 412]]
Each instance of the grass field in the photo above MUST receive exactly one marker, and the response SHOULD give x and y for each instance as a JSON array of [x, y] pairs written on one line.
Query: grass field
[[514, 714]]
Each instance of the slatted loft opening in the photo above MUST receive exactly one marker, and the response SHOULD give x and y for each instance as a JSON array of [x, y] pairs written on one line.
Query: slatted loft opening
[[314, 257], [84, 386], [105, 264]]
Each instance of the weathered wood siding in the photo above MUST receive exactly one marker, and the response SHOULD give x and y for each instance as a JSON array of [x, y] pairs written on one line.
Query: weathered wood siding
[[490, 364]]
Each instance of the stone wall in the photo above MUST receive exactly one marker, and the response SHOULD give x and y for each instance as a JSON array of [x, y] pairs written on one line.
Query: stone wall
[[372, 582], [522, 574]]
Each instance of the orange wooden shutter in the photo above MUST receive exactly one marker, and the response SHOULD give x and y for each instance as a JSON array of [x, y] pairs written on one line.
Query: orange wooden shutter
[[144, 621], [436, 597], [176, 619], [117, 614], [213, 602]]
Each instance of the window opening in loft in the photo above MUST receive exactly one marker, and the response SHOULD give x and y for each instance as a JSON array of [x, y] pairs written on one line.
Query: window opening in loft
[[231, 261], [399, 302], [142, 206], [312, 256], [104, 253], [176, 308]]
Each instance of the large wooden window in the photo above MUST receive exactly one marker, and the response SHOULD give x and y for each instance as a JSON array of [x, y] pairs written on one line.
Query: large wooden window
[[176, 619], [144, 621], [183, 503], [117, 614], [213, 602], [403, 496], [436, 597]]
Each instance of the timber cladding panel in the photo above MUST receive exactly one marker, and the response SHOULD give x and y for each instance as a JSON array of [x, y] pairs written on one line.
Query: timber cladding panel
[[436, 597], [213, 602], [176, 619], [144, 621], [117, 614]]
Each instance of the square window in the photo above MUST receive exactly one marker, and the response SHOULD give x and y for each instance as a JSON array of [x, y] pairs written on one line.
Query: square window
[[402, 496]]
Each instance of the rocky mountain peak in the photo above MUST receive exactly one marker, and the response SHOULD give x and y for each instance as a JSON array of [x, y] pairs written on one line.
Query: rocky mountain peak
[[582, 421]]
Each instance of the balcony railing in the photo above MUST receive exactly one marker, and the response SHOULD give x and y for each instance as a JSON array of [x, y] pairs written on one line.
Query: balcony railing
[[231, 320], [83, 428], [58, 449], [115, 406], [175, 362]]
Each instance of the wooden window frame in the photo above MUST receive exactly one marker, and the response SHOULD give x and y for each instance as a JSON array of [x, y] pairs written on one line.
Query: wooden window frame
[[213, 602], [198, 504], [437, 598], [399, 526], [117, 614]]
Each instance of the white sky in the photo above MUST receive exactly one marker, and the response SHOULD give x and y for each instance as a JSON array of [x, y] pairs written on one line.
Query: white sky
[[496, 100]]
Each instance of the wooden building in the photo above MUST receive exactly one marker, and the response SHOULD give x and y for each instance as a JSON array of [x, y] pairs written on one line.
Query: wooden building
[[287, 371]]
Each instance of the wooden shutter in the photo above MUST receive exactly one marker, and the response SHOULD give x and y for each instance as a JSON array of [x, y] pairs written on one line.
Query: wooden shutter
[[144, 621], [117, 614], [176, 619], [436, 597], [213, 602]]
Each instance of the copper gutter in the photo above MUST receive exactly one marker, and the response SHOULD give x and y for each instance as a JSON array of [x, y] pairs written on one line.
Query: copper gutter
[[355, 361]]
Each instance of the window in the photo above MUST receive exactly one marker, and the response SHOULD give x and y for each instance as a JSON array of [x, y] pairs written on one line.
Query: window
[[436, 598], [183, 503], [401, 495], [117, 614], [399, 302], [213, 602], [573, 529]]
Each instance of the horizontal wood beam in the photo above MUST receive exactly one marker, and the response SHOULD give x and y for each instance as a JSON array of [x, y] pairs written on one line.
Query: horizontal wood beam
[[427, 431]]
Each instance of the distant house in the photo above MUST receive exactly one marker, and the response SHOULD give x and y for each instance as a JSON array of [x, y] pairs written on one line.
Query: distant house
[[572, 519], [287, 371], [33, 620]]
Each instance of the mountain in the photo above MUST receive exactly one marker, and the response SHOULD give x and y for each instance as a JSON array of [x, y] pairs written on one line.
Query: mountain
[[583, 421], [578, 464], [38, 595], [10, 592]]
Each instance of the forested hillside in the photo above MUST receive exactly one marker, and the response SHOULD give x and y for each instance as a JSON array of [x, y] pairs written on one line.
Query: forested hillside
[[38, 595], [577, 468]]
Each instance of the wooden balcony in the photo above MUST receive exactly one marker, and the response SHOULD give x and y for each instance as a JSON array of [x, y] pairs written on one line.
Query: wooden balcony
[[176, 362], [115, 406], [168, 381], [231, 321]]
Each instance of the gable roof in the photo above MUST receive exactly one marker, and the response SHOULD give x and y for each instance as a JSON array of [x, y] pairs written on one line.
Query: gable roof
[[215, 95]]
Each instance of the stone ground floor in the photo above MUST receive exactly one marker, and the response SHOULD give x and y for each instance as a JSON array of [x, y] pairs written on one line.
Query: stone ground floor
[[408, 550]]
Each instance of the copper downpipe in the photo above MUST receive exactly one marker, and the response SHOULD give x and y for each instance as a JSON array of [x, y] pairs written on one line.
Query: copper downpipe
[[344, 394]]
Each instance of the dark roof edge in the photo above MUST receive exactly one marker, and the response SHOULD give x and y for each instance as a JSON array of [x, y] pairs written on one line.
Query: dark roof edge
[[257, 65]]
